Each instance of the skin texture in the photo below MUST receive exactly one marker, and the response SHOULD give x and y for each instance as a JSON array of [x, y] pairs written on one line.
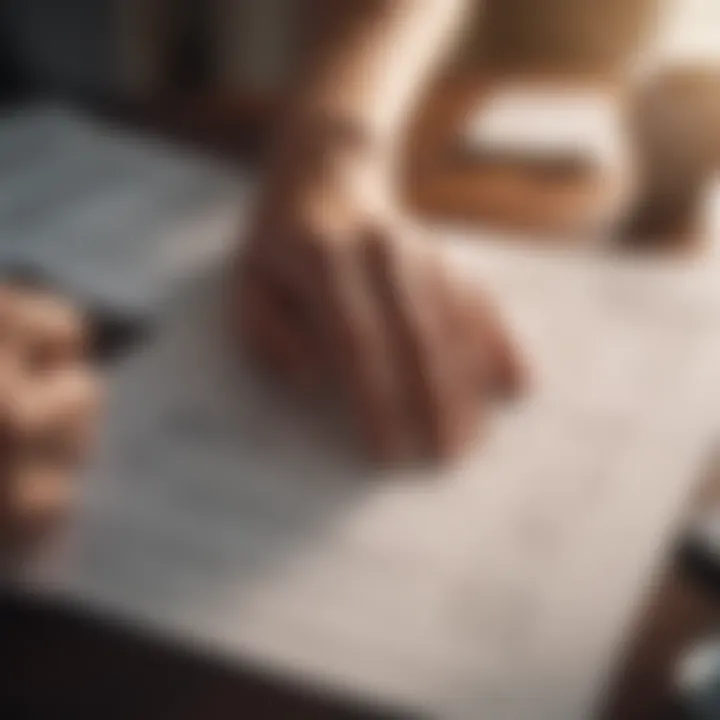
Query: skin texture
[[418, 356], [49, 400], [336, 285]]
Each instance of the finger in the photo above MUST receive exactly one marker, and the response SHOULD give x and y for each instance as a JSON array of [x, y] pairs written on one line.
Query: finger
[[459, 356], [432, 395], [40, 489], [466, 352], [35, 497], [360, 351], [468, 322], [492, 361], [56, 416], [273, 335], [51, 328], [510, 375]]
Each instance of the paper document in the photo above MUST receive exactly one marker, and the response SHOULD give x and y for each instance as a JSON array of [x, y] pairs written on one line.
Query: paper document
[[110, 215], [221, 513]]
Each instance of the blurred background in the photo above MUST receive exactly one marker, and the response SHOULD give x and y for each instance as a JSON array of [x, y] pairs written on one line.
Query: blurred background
[[215, 71], [637, 80], [236, 47]]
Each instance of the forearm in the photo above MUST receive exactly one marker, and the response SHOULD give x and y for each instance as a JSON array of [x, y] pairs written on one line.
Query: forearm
[[381, 54], [365, 73]]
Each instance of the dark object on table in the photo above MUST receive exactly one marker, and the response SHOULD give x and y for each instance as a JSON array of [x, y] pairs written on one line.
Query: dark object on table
[[699, 553], [677, 136], [112, 333], [697, 673], [697, 679], [67, 663]]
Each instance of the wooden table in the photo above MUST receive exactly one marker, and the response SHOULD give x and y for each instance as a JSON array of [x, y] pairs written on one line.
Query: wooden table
[[444, 182]]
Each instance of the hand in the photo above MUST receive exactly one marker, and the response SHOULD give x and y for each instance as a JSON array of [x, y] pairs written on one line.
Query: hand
[[49, 398], [337, 289]]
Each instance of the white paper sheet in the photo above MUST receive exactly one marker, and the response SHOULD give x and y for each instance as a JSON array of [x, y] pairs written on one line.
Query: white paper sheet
[[225, 515], [547, 122], [111, 215]]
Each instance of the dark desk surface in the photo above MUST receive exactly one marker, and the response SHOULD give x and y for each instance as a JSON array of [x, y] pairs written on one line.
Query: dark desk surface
[[65, 663]]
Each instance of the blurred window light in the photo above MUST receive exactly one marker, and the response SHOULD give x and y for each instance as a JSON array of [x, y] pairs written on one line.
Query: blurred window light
[[691, 31]]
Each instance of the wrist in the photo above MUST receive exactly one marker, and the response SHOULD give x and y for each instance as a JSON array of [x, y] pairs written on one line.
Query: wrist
[[335, 152]]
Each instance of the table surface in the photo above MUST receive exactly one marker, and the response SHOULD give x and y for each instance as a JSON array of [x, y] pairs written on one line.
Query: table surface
[[110, 659]]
